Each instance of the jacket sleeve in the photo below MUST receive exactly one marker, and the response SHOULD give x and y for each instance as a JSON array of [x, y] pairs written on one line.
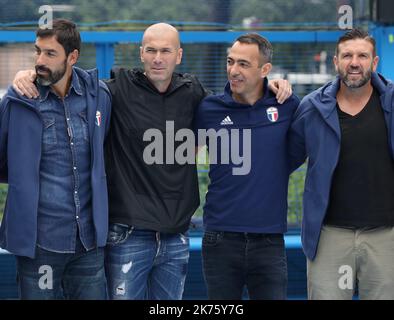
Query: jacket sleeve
[[206, 91], [4, 122], [200, 91], [296, 138]]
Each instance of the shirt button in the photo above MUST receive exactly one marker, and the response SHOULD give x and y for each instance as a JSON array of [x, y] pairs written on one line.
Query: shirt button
[[75, 192], [72, 143], [68, 119], [77, 217], [75, 168]]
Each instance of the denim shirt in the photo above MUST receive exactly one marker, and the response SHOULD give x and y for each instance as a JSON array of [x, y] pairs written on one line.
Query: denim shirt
[[64, 210]]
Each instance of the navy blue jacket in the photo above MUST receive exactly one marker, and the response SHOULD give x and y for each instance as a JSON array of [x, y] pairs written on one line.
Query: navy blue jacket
[[21, 129], [315, 133], [257, 201]]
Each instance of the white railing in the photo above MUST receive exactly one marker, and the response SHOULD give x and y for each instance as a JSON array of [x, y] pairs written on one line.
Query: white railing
[[304, 78]]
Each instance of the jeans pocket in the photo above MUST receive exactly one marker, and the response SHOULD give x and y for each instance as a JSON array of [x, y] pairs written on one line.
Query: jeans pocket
[[184, 237], [275, 239], [211, 238], [118, 233]]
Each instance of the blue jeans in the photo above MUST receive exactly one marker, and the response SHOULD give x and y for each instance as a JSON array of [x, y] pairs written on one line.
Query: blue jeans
[[144, 264], [235, 260], [52, 275]]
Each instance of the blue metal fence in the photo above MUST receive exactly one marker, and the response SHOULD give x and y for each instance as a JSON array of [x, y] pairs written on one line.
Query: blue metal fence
[[204, 51], [294, 50]]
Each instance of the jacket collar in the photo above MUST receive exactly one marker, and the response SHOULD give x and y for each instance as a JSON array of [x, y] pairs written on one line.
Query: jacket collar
[[177, 80], [385, 89], [88, 78], [326, 98]]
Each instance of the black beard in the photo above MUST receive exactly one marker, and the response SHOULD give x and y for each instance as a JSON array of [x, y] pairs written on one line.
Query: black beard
[[52, 77]]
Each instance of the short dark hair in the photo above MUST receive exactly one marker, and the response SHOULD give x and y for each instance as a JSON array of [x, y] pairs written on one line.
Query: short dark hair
[[265, 47], [356, 34], [66, 33]]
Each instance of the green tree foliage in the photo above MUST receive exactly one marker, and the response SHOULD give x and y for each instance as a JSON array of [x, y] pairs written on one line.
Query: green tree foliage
[[285, 11], [101, 10], [3, 195], [232, 11], [22, 10]]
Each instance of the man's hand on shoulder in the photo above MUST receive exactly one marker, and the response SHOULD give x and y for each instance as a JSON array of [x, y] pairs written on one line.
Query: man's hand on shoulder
[[282, 89], [23, 84]]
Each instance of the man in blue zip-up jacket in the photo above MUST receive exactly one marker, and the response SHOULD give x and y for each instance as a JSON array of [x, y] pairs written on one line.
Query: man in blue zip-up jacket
[[51, 156], [345, 129]]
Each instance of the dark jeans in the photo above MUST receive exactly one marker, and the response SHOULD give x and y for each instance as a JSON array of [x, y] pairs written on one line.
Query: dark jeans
[[52, 275], [233, 260]]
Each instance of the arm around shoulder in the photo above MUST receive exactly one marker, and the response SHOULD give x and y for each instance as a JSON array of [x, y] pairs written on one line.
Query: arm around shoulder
[[296, 137]]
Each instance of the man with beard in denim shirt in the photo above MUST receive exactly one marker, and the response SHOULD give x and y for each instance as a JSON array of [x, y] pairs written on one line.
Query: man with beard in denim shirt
[[51, 155]]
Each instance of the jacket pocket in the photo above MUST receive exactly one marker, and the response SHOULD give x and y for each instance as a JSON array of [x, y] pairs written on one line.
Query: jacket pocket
[[84, 125], [49, 138]]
